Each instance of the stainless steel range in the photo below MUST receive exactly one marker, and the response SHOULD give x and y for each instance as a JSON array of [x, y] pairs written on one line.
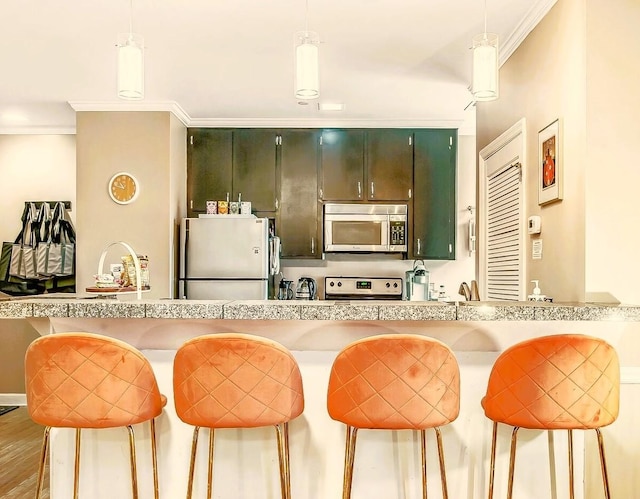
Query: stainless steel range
[[362, 288]]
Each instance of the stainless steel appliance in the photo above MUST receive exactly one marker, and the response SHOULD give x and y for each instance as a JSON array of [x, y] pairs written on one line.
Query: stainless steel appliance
[[363, 288], [417, 282], [224, 257], [365, 227], [306, 289]]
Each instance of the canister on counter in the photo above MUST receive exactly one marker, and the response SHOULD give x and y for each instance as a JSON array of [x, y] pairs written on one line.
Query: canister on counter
[[234, 208], [245, 208], [129, 274], [223, 207]]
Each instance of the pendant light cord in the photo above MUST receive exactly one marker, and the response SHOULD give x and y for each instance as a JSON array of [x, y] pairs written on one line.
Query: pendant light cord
[[306, 16], [485, 18]]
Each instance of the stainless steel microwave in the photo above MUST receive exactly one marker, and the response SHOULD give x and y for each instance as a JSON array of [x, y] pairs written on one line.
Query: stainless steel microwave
[[365, 228]]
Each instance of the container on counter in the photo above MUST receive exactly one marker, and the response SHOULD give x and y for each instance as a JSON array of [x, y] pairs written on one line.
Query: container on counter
[[212, 207]]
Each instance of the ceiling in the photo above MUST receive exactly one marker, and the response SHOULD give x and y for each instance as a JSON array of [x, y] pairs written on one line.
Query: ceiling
[[230, 62]]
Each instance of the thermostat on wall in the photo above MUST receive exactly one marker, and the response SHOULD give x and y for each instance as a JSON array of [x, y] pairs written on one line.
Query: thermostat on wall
[[534, 225]]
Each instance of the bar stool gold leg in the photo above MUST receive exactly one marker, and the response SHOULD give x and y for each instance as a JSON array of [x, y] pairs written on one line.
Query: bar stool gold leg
[[349, 454], [134, 472], [443, 474], [492, 466], [76, 469], [512, 461], [43, 460], [154, 458], [210, 472], [194, 447], [282, 434], [603, 465], [570, 443], [423, 460]]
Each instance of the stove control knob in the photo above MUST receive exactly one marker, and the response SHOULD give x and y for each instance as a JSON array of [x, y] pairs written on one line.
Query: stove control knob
[[339, 284], [388, 285], [331, 283], [395, 284]]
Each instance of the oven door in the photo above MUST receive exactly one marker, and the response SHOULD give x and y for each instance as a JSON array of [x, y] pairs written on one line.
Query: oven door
[[356, 232]]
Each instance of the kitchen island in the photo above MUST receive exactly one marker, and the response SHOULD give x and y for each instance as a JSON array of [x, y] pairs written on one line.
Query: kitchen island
[[387, 464]]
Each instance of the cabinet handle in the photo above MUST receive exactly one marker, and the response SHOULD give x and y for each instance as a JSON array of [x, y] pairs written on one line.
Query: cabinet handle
[[239, 197], [191, 204], [450, 248], [372, 191], [227, 197], [277, 204], [410, 193], [359, 189], [313, 245], [321, 194], [418, 241]]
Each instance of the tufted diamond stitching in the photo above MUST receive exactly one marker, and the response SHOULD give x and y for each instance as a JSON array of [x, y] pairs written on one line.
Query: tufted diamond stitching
[[394, 382], [81, 380], [555, 382], [234, 380]]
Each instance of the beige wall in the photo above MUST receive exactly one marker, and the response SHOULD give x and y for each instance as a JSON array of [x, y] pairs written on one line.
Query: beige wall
[[542, 81], [35, 168], [140, 143], [613, 132]]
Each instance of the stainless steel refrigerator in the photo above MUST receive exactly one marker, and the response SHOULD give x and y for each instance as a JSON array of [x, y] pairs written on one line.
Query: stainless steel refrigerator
[[224, 257]]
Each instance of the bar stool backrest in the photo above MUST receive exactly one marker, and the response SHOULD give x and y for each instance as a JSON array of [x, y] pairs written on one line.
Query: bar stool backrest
[[566, 381], [236, 380], [84, 380], [399, 381]]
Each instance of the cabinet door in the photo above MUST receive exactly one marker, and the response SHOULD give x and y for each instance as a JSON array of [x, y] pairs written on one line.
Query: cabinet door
[[298, 225], [254, 168], [208, 167], [342, 165], [389, 165], [434, 197]]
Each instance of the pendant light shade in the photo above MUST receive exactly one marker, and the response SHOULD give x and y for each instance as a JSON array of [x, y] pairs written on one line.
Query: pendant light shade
[[307, 72], [485, 67], [130, 66]]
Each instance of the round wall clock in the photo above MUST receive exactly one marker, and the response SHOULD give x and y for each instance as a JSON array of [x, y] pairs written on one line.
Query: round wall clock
[[123, 188]]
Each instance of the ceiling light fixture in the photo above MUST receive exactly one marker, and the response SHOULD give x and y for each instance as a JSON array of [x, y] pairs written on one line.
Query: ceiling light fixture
[[485, 64], [130, 63], [307, 72]]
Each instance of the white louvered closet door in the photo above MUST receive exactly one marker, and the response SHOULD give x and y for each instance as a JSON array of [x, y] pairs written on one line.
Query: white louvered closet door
[[504, 237], [501, 234]]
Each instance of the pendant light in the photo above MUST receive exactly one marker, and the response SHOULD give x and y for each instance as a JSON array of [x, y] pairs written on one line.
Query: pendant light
[[307, 74], [485, 64], [130, 63]]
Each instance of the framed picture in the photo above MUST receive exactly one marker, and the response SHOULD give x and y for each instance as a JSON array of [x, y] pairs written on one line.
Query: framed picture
[[549, 164]]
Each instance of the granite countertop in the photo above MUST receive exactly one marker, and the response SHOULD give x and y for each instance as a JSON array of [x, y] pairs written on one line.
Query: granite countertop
[[72, 306]]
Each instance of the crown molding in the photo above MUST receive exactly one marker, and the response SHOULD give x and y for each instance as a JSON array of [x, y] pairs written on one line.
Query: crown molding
[[167, 106], [536, 13]]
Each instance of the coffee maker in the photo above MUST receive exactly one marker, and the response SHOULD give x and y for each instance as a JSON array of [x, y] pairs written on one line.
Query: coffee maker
[[417, 282]]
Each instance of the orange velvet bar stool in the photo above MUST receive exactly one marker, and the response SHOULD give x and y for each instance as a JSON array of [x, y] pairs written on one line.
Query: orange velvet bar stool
[[235, 380], [562, 382], [83, 380], [394, 382]]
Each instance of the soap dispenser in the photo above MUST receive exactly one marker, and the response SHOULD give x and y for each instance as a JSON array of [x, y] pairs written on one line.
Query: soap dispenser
[[537, 294]]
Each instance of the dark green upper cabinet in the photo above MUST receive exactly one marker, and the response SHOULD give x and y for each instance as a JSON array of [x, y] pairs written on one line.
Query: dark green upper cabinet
[[209, 167], [342, 159], [254, 168], [434, 198], [297, 221], [389, 161]]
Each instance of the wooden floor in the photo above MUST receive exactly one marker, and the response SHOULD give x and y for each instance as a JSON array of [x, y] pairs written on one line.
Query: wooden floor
[[20, 442]]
